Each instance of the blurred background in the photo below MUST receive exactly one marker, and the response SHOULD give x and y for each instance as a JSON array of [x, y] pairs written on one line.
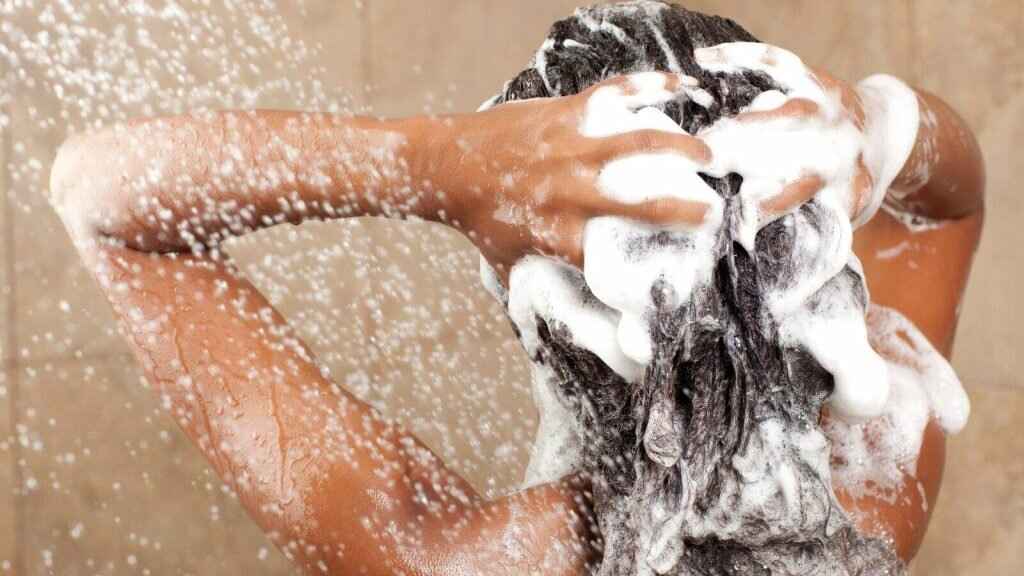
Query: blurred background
[[95, 479]]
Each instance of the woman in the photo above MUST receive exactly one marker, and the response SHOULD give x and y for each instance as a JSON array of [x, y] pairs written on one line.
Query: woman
[[338, 487]]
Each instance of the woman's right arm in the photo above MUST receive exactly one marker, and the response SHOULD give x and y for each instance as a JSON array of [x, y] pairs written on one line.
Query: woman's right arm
[[922, 270], [184, 183], [337, 486], [517, 179]]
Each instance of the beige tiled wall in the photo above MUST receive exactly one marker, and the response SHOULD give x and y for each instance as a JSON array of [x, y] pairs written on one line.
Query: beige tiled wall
[[5, 252], [82, 441], [978, 527], [8, 537], [8, 518], [972, 54]]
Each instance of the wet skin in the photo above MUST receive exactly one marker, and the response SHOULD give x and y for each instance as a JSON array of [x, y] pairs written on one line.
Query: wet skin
[[337, 486]]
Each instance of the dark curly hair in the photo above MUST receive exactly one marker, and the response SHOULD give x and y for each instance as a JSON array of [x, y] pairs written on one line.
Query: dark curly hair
[[673, 458]]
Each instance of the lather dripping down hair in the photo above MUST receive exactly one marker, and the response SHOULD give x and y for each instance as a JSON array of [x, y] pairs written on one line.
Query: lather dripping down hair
[[713, 462]]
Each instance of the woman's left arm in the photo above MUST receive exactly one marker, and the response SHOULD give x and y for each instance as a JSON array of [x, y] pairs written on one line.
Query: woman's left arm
[[520, 178]]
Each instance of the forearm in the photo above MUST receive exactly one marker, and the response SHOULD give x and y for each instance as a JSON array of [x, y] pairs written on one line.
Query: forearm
[[944, 177], [186, 182]]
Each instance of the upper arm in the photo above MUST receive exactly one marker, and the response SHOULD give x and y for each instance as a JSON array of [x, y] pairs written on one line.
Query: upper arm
[[921, 273], [922, 270]]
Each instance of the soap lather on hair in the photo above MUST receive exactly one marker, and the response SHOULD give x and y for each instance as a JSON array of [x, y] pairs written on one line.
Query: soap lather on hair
[[690, 365]]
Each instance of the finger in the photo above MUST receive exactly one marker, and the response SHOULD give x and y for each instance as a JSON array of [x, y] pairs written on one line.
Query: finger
[[785, 67], [665, 212], [628, 103], [632, 84], [792, 108], [849, 98], [631, 81], [791, 197], [862, 191], [827, 80], [630, 186], [644, 89], [562, 239], [570, 244], [610, 148]]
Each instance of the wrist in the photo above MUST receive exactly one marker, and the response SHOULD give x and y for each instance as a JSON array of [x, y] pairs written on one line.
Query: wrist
[[427, 166]]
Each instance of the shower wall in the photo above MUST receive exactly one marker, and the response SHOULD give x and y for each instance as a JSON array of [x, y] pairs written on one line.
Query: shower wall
[[94, 478]]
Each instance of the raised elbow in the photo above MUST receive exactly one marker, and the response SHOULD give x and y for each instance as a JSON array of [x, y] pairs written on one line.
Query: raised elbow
[[73, 183], [87, 184]]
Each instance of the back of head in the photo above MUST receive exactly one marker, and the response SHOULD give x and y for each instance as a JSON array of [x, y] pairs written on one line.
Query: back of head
[[713, 462]]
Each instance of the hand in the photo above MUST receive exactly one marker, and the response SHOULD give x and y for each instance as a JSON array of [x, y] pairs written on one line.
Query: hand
[[815, 137], [528, 175]]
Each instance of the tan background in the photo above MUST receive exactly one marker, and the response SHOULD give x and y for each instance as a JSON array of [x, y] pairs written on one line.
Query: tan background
[[94, 479]]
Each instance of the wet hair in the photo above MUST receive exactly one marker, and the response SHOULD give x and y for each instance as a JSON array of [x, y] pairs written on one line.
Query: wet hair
[[682, 462]]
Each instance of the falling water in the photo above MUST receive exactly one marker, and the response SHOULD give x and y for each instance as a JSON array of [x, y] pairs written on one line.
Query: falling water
[[393, 309]]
